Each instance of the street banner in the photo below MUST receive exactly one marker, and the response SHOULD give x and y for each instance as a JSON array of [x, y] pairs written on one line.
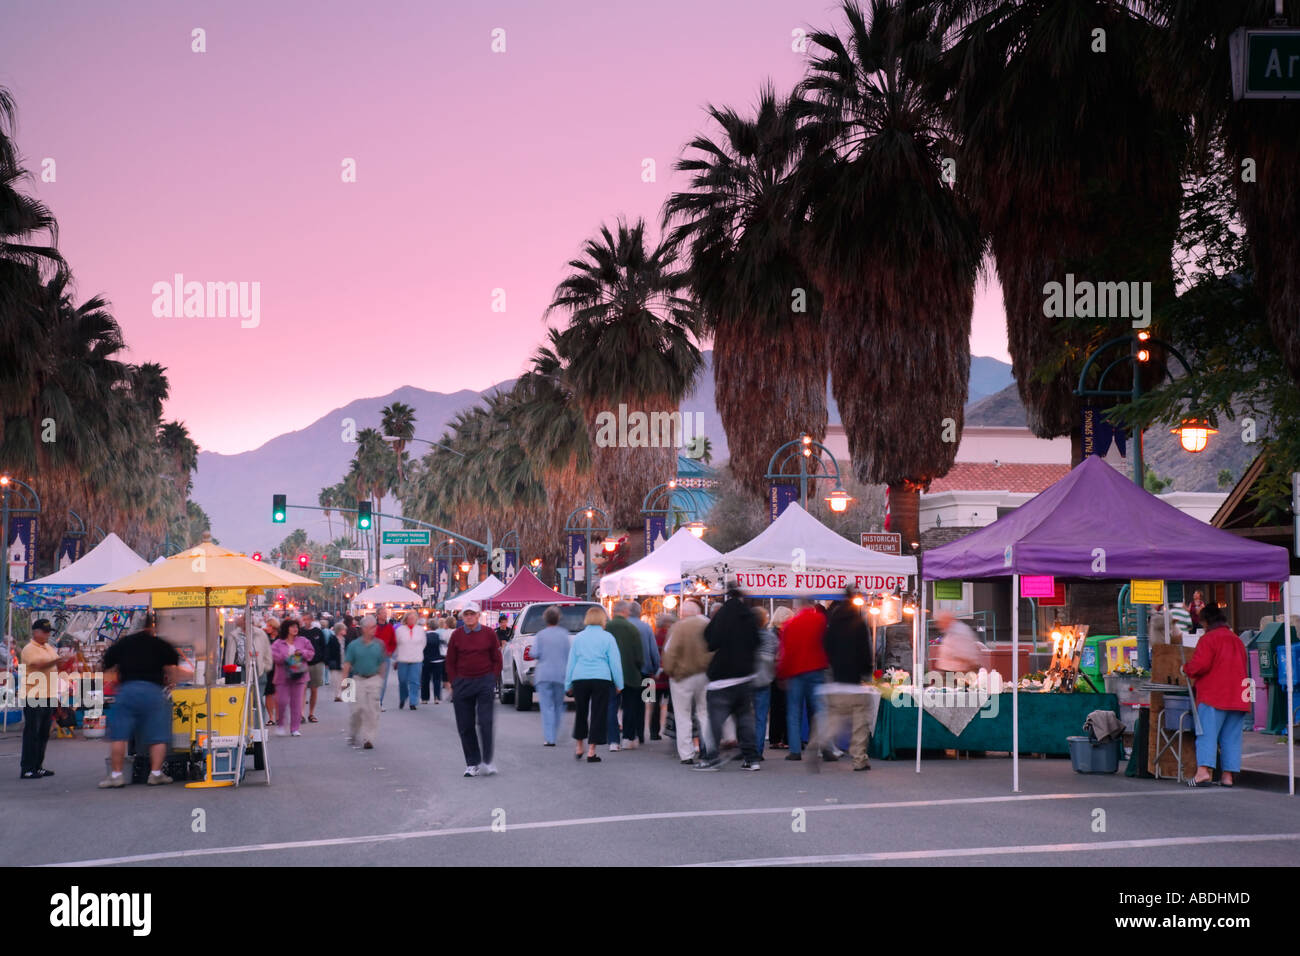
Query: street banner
[[577, 557], [21, 550], [1099, 433], [424, 581], [442, 575], [70, 551], [512, 565], [656, 531], [779, 496]]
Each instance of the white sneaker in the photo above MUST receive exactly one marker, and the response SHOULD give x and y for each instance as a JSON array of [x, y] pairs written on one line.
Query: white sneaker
[[487, 768], [296, 733], [613, 748], [281, 732], [471, 771]]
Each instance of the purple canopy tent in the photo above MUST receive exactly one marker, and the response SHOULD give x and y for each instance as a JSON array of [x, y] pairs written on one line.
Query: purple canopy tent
[[1095, 523]]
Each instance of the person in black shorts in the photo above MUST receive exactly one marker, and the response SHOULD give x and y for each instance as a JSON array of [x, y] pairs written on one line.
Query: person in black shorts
[[145, 664]]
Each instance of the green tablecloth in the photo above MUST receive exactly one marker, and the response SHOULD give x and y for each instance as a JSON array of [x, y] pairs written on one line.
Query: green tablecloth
[[1045, 721]]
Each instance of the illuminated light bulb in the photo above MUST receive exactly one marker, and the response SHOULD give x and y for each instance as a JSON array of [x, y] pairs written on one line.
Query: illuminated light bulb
[[670, 602]]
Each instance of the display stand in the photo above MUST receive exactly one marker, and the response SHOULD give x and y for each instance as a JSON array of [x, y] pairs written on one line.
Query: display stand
[[256, 723]]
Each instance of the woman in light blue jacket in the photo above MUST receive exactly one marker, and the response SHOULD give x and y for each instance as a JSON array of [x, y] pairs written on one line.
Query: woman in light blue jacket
[[594, 671]]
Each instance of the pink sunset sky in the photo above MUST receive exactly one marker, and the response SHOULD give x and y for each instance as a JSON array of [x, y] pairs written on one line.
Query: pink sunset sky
[[475, 171]]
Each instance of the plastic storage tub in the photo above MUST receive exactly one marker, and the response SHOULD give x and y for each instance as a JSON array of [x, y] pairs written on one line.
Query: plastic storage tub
[[1089, 756]]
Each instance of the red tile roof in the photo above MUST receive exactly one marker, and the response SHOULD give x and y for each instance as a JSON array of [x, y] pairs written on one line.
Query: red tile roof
[[986, 476]]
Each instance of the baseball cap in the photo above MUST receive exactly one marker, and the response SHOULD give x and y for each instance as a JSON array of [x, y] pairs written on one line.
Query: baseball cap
[[472, 607]]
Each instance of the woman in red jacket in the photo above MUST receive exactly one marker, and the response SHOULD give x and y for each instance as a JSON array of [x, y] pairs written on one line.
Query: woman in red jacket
[[1217, 672]]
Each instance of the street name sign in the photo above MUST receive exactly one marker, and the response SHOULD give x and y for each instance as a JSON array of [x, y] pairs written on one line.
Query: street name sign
[[358, 554], [331, 574], [414, 536], [1265, 64]]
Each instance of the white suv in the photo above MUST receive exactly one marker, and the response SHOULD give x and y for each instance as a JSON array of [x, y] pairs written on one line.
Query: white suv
[[517, 657]]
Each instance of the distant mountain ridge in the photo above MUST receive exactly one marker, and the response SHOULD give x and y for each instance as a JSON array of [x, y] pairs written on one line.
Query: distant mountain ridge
[[235, 490]]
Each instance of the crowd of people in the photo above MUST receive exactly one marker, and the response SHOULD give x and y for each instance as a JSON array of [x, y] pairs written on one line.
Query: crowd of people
[[730, 683]]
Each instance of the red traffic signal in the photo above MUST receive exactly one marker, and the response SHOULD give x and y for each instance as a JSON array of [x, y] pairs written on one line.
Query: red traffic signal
[[303, 561], [257, 555]]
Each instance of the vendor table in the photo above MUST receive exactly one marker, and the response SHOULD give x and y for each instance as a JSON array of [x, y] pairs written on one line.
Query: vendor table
[[1045, 721]]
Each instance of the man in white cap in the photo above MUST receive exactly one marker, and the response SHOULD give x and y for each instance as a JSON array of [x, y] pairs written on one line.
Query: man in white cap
[[473, 662]]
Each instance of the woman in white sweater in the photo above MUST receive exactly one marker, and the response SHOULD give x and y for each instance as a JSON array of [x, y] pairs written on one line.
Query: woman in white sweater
[[409, 659]]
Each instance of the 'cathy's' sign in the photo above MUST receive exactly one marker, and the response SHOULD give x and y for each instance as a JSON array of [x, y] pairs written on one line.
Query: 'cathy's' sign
[[815, 582]]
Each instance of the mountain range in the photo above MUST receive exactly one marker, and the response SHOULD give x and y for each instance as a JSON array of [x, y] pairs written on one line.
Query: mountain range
[[235, 490]]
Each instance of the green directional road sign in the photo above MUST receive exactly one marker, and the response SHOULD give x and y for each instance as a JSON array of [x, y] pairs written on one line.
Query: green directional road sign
[[415, 536], [1266, 64], [331, 574]]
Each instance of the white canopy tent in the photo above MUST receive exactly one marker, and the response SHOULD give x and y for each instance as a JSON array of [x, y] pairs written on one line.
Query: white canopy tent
[[660, 568], [386, 594], [480, 592], [107, 561]]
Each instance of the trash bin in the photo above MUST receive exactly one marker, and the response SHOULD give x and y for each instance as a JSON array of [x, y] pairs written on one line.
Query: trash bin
[[1090, 756], [1178, 713]]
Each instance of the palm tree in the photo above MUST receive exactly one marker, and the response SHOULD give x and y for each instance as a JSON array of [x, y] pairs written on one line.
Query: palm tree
[[737, 225], [398, 421], [1196, 76], [1072, 163], [28, 239], [891, 246], [630, 340]]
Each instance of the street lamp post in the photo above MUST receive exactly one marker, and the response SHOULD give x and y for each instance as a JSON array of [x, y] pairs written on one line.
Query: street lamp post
[[29, 503], [448, 547], [1135, 350], [589, 513], [815, 461], [664, 497]]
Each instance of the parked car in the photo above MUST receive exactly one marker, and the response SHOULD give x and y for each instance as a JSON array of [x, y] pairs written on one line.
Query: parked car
[[517, 683]]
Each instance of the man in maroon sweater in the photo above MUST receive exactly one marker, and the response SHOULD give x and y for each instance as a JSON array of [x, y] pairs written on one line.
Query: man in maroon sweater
[[473, 662], [387, 635]]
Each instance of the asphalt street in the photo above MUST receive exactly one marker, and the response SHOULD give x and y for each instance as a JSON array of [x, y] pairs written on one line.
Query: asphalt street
[[407, 803]]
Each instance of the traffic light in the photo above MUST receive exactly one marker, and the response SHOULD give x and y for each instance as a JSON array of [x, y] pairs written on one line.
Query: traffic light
[[303, 561], [257, 555], [279, 509], [363, 515]]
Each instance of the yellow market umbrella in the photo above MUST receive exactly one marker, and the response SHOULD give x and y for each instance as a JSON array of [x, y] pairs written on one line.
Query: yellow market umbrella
[[206, 575]]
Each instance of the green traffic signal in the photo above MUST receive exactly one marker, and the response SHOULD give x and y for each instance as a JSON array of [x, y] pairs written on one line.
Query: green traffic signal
[[279, 508], [363, 515]]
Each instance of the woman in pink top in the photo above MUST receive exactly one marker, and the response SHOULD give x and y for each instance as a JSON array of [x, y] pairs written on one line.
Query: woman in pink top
[[291, 654]]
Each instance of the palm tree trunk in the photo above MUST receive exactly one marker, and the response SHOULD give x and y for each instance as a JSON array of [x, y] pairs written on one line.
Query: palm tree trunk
[[905, 512]]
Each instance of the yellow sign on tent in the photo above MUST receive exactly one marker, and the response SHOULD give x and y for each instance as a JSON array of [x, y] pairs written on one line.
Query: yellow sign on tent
[[219, 597], [1146, 592]]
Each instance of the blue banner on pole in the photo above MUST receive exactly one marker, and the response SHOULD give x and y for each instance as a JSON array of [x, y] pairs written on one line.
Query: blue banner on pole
[[779, 496], [442, 578], [424, 580], [512, 565], [578, 558], [1098, 433], [70, 551], [21, 551], [656, 532]]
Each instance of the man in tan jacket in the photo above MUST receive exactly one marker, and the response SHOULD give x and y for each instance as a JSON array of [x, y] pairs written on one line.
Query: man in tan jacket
[[686, 660]]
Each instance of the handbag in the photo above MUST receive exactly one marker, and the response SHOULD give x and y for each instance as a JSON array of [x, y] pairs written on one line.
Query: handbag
[[295, 665]]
